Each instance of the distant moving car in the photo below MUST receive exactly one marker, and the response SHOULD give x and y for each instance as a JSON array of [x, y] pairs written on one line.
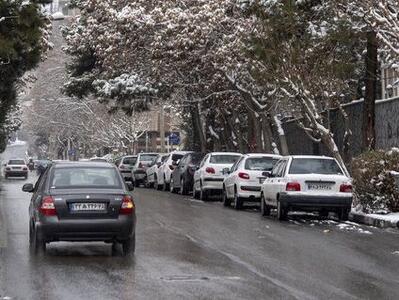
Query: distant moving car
[[152, 170], [125, 165], [210, 175], [16, 168], [139, 174], [244, 180], [183, 175], [309, 183], [165, 170], [31, 164], [81, 201]]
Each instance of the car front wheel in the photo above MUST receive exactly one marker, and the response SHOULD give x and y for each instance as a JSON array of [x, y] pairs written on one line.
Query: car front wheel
[[264, 208], [226, 200]]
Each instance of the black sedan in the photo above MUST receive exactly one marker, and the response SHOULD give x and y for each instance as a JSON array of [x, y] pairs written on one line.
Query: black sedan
[[182, 178], [81, 201]]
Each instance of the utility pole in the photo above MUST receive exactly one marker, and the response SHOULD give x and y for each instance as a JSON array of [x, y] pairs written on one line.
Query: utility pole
[[162, 128]]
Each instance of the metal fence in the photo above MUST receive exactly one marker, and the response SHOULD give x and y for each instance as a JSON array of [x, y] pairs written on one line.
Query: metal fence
[[387, 129]]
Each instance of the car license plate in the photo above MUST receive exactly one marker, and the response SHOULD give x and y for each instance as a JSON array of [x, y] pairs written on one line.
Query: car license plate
[[88, 206], [320, 186]]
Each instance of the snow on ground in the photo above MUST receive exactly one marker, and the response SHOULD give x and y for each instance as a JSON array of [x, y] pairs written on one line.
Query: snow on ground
[[390, 217]]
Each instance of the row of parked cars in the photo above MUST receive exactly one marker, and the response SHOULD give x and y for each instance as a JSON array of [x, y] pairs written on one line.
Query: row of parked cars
[[307, 183]]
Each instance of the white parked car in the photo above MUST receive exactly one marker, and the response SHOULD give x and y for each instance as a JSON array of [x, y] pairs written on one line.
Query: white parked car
[[165, 170], [309, 183], [152, 171], [244, 180], [125, 165], [210, 174], [139, 169]]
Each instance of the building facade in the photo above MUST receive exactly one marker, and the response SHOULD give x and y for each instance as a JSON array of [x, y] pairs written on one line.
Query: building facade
[[389, 82]]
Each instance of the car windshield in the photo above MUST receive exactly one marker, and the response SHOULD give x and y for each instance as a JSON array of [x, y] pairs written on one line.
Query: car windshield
[[16, 162], [129, 160], [224, 159], [176, 157], [260, 163], [148, 157], [85, 177], [315, 166]]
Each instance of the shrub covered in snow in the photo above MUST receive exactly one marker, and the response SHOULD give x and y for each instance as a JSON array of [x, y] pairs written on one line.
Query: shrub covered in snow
[[375, 174]]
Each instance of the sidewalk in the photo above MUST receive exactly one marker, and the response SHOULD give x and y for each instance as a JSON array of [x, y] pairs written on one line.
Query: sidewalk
[[378, 220]]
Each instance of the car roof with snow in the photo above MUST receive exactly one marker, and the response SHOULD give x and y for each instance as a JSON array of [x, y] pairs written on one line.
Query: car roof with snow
[[225, 153], [73, 164], [263, 155], [310, 156]]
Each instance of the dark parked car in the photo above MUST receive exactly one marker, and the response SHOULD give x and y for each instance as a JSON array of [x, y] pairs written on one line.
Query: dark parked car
[[183, 175], [81, 201]]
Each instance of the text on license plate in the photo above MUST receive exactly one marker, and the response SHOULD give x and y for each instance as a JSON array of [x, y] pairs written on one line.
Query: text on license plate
[[87, 206], [320, 186]]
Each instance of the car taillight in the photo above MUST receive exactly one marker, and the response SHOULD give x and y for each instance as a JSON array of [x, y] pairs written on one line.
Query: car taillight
[[345, 188], [293, 187], [127, 206], [47, 208], [243, 175], [25, 169], [210, 170]]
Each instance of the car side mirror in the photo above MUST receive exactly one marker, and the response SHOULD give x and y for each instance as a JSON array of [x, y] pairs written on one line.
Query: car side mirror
[[267, 174], [28, 188], [130, 186], [226, 171]]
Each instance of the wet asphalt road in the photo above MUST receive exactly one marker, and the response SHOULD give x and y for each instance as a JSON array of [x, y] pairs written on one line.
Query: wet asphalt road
[[188, 249]]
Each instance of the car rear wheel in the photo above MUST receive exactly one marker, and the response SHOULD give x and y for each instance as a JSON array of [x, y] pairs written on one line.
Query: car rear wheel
[[203, 194], [36, 245], [129, 246], [264, 208], [157, 186], [165, 186], [238, 203], [172, 186], [226, 200], [183, 187], [282, 212], [344, 214]]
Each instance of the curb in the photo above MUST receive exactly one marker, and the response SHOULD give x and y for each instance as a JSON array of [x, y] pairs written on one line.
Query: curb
[[367, 220]]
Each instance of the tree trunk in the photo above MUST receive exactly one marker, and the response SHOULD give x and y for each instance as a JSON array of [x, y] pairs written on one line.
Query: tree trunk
[[368, 126], [267, 134], [281, 135], [198, 127]]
